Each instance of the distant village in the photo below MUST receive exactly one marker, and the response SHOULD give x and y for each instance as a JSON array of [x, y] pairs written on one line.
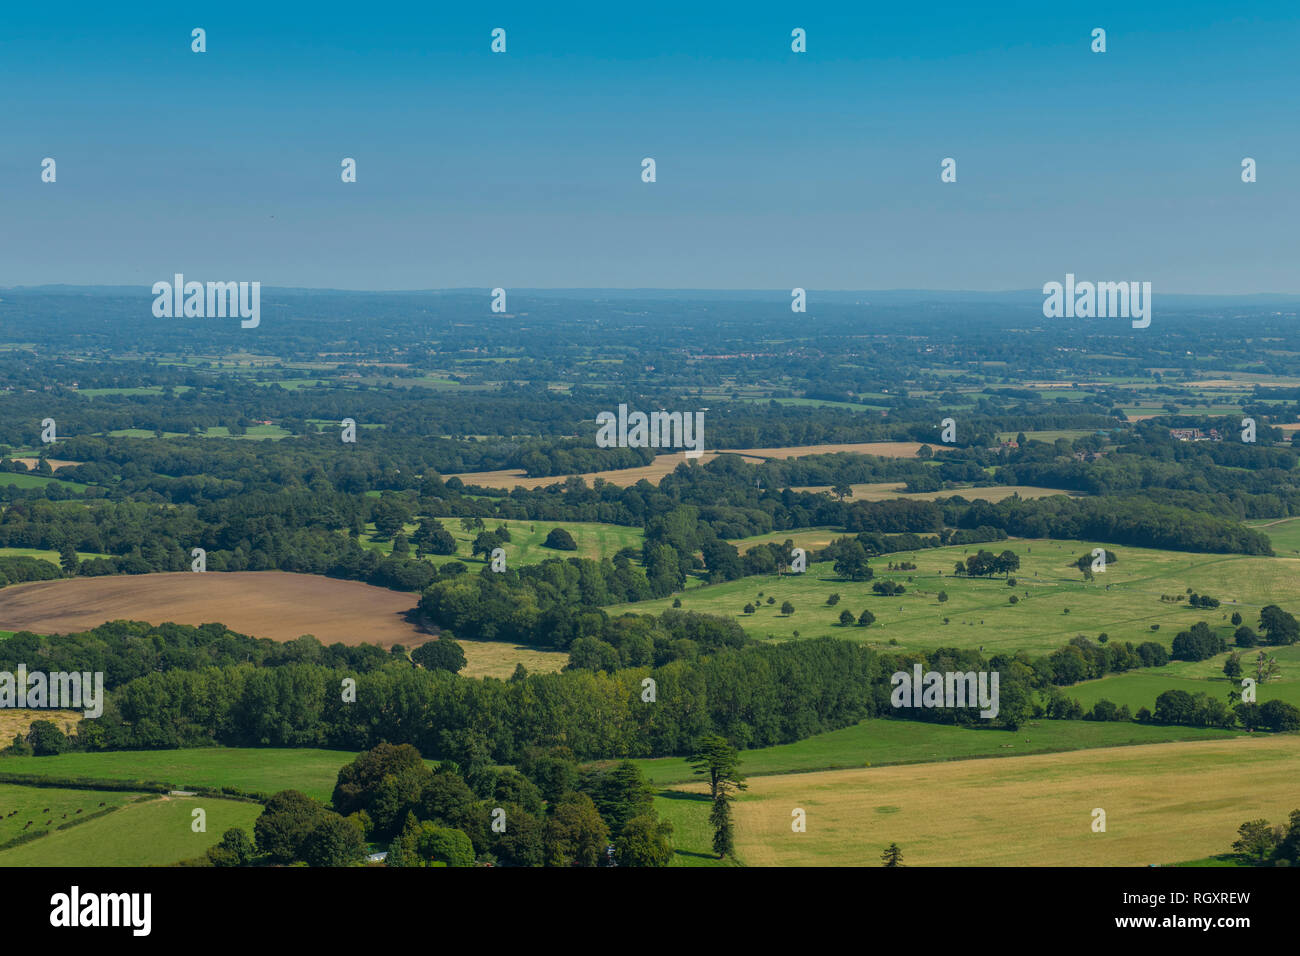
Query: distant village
[[1195, 434]]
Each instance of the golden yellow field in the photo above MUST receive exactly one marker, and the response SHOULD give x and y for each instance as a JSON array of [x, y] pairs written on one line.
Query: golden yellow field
[[1164, 803], [55, 463], [623, 477], [666, 464], [14, 722], [498, 659]]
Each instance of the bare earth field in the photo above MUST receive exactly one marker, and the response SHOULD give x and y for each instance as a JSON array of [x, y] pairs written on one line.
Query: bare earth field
[[1164, 803], [666, 464], [274, 604]]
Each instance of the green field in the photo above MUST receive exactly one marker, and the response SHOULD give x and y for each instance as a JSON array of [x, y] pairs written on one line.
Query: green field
[[252, 433], [314, 772], [1284, 533], [692, 837], [884, 742], [1141, 687], [139, 390], [36, 481], [1124, 601], [595, 540], [46, 555], [19, 804], [155, 832]]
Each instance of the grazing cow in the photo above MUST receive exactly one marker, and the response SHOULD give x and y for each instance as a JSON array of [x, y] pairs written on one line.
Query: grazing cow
[[45, 810], [101, 803], [78, 809]]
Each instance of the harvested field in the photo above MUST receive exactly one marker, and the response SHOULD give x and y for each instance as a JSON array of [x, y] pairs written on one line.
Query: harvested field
[[498, 659], [623, 477], [14, 721], [274, 604], [1164, 803], [665, 464], [55, 463]]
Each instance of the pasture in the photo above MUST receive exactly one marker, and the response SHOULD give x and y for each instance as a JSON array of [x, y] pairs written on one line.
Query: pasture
[[19, 804], [153, 832], [1140, 688], [1123, 602], [595, 540], [251, 769]]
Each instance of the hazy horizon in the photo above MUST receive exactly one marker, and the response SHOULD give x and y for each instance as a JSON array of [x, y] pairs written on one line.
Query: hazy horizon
[[522, 169]]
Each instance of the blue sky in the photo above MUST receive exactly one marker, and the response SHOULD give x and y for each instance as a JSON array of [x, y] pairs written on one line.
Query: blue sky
[[775, 169]]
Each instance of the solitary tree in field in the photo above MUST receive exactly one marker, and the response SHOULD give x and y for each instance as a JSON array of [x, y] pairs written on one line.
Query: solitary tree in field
[[720, 761], [715, 757], [443, 654], [1232, 666], [893, 855], [1265, 667], [724, 831], [842, 490], [787, 608]]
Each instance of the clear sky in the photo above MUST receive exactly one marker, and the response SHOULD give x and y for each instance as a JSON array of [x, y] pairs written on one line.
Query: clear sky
[[775, 169]]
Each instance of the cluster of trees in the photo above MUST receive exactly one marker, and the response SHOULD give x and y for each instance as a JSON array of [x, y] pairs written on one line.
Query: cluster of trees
[[465, 812], [1202, 710], [561, 540], [986, 564], [755, 695], [1124, 520], [550, 604], [16, 570], [1197, 644], [125, 650], [1084, 659], [548, 812], [1260, 844], [1060, 707]]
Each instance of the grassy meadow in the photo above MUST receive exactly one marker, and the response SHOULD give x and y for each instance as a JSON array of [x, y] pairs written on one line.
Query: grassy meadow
[[1054, 601], [261, 770], [153, 832]]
